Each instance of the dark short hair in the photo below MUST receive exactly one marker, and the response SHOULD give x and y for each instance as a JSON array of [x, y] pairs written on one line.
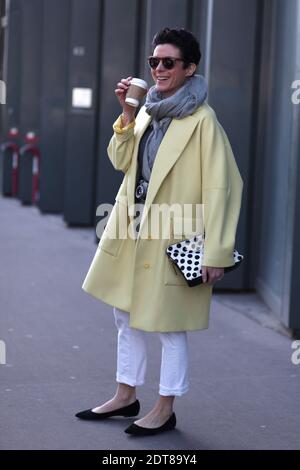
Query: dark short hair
[[184, 40]]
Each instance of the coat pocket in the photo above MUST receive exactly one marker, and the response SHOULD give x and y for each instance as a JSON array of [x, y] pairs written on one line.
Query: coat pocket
[[172, 276], [116, 229], [181, 228]]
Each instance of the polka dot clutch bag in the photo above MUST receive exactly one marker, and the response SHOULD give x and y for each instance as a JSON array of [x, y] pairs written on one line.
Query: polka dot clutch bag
[[187, 256]]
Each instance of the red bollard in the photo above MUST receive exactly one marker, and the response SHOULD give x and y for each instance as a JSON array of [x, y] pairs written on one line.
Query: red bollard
[[30, 147]]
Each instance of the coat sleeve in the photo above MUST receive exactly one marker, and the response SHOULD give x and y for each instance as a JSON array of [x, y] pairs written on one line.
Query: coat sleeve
[[121, 145], [222, 188]]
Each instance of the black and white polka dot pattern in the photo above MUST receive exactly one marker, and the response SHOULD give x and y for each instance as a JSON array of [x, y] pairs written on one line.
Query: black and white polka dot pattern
[[187, 255]]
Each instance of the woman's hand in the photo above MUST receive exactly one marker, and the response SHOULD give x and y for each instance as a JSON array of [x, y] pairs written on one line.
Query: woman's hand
[[211, 275], [120, 92]]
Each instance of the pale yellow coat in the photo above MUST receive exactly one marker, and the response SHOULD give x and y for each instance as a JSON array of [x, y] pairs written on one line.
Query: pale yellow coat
[[194, 165]]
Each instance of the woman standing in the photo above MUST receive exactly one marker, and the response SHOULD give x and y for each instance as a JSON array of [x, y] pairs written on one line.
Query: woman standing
[[174, 152]]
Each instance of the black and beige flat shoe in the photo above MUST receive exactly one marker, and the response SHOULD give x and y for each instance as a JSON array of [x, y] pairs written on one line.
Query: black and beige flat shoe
[[126, 411], [136, 430]]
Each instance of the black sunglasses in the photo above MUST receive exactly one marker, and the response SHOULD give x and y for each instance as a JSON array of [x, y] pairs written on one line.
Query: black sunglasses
[[168, 62]]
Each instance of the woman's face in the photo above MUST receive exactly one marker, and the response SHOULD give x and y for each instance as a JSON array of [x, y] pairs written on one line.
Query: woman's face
[[169, 81]]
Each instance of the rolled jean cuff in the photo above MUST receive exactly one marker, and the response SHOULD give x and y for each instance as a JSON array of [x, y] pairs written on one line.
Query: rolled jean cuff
[[125, 380], [165, 392]]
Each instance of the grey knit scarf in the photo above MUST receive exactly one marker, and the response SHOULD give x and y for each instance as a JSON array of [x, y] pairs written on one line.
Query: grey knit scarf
[[162, 110]]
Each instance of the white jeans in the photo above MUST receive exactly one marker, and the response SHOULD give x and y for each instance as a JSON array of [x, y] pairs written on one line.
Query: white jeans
[[132, 357]]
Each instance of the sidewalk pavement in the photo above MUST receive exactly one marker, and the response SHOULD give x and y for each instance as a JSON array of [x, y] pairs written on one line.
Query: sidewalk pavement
[[61, 355]]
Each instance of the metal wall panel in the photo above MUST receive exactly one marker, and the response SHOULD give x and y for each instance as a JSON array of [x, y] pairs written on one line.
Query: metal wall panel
[[10, 112], [2, 41], [231, 96], [30, 84], [81, 120], [169, 13], [55, 55], [197, 24], [12, 71], [291, 298], [278, 268]]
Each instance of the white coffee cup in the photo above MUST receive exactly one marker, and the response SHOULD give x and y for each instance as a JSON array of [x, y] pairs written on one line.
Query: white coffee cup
[[136, 91]]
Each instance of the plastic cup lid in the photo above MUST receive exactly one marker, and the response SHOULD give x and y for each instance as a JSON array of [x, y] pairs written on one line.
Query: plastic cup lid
[[139, 82]]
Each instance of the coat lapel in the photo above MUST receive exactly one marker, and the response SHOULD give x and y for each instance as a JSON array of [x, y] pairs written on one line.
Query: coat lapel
[[142, 125], [172, 146]]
